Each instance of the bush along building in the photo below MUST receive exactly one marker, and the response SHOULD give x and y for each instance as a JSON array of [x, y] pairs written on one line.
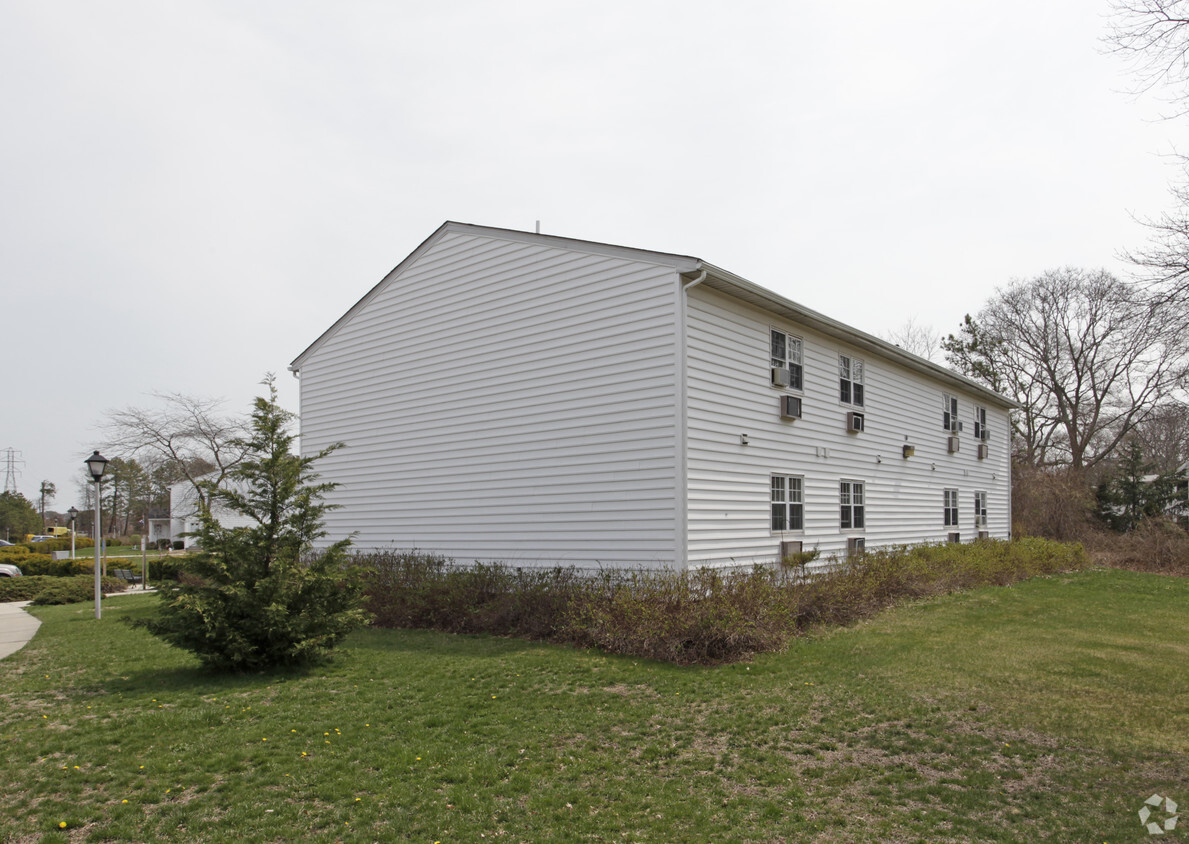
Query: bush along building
[[538, 400]]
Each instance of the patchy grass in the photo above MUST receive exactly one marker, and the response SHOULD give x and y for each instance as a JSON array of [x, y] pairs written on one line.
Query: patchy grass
[[1044, 711]]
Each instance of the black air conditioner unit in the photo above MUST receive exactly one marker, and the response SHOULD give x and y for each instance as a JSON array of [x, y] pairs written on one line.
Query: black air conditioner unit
[[790, 407]]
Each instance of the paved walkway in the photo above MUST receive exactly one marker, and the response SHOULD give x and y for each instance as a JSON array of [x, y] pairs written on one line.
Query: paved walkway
[[16, 627]]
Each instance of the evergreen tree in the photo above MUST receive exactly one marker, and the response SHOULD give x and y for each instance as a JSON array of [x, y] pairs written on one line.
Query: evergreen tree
[[18, 517], [1133, 492], [257, 596]]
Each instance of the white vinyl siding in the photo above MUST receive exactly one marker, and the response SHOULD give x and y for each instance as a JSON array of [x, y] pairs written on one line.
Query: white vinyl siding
[[729, 483], [504, 400]]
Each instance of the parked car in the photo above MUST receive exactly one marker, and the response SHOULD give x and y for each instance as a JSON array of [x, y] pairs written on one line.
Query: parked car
[[4, 543], [41, 538], [9, 571]]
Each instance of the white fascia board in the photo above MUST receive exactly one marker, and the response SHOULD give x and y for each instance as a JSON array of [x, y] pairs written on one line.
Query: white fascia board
[[680, 264], [740, 288]]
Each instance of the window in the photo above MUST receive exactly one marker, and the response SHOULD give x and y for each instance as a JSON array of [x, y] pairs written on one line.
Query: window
[[851, 499], [788, 508], [850, 379], [949, 414], [980, 424], [950, 506], [980, 508], [786, 354]]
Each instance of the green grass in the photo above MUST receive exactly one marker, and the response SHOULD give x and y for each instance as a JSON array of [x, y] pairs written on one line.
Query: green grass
[[1046, 711]]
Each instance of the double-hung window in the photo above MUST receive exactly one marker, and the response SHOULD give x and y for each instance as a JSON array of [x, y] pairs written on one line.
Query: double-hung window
[[786, 354], [980, 424], [980, 509], [788, 506], [850, 380], [949, 414], [950, 505], [852, 510]]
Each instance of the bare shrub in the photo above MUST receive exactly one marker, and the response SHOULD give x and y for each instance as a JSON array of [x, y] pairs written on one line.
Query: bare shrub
[[1156, 545], [704, 616], [1053, 503]]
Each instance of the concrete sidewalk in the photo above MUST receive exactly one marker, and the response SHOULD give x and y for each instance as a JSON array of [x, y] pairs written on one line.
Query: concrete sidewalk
[[16, 627]]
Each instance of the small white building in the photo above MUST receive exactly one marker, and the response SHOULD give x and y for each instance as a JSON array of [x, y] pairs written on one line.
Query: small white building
[[536, 400], [183, 513]]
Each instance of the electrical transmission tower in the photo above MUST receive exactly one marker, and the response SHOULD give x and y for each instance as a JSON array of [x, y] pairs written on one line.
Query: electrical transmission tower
[[11, 458]]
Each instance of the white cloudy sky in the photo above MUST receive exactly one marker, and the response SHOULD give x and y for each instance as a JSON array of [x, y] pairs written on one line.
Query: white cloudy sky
[[192, 192]]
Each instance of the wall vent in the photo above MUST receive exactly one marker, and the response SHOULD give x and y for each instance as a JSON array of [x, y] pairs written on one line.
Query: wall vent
[[790, 407], [780, 377], [952, 445], [855, 422]]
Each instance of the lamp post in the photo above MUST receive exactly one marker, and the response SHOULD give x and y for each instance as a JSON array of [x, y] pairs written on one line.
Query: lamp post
[[97, 464], [73, 514]]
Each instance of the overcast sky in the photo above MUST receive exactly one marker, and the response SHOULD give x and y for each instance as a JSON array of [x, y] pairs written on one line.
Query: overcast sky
[[193, 192]]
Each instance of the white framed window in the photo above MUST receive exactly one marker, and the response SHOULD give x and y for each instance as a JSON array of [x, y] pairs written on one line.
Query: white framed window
[[949, 413], [788, 503], [787, 354], [852, 508], [980, 424], [980, 508], [850, 380], [950, 507]]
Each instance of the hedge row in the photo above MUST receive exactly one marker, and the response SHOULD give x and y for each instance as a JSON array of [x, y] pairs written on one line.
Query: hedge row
[[42, 590], [699, 616]]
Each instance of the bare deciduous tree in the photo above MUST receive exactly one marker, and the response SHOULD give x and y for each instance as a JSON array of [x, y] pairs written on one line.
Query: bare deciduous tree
[[190, 435], [1088, 357], [921, 340], [1164, 436]]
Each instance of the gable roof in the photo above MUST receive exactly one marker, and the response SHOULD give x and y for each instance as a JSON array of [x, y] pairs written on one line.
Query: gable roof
[[694, 270]]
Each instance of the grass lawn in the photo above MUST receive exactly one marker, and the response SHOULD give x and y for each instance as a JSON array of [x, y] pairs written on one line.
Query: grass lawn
[[1047, 711]]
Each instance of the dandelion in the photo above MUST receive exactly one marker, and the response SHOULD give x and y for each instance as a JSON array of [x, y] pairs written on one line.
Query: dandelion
[[62, 825]]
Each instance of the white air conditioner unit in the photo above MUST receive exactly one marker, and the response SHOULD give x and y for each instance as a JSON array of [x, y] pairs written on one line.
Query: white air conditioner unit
[[856, 545], [854, 422], [984, 434], [790, 407], [780, 377], [983, 451], [954, 538], [952, 445]]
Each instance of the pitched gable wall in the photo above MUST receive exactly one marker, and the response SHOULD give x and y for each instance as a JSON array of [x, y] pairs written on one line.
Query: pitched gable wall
[[504, 400]]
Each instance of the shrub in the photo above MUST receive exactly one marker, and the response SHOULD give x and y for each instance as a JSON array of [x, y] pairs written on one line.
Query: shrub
[[699, 616], [56, 589], [179, 545], [1156, 544], [255, 598], [59, 590]]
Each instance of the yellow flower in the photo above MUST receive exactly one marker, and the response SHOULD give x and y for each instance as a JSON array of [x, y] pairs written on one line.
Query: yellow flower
[[62, 825]]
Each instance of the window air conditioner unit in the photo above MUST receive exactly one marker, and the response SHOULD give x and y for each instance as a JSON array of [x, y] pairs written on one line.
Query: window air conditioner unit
[[952, 445], [984, 434], [983, 451], [790, 407], [982, 534], [954, 537], [780, 377], [909, 451], [854, 422], [856, 545], [789, 547]]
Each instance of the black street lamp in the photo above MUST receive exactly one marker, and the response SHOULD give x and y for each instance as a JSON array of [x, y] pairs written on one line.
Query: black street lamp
[[97, 464]]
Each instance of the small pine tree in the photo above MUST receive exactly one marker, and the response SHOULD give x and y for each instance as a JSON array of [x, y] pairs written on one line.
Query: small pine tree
[[257, 597], [1132, 493]]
